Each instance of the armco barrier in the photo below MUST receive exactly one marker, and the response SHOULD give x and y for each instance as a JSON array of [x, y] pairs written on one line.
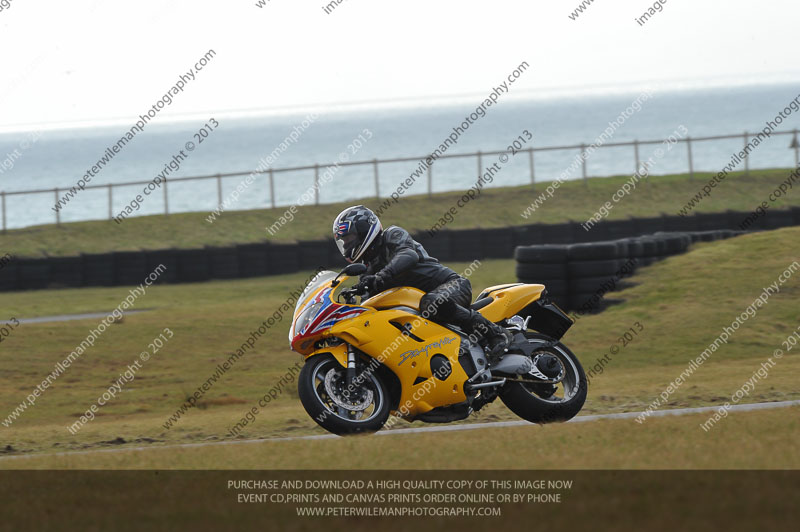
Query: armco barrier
[[265, 258], [578, 276]]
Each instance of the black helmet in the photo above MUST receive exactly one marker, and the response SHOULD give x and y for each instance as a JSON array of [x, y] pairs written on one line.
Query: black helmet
[[354, 230]]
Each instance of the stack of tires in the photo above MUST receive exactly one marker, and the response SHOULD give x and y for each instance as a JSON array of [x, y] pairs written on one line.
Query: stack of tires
[[223, 262], [32, 273], [593, 269], [578, 276], [710, 236], [547, 265], [674, 243], [650, 250]]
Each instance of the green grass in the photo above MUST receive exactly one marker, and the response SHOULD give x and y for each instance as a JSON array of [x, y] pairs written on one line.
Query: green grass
[[682, 303], [496, 207], [745, 440]]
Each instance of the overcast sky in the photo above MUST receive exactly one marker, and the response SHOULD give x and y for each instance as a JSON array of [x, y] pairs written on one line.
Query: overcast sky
[[93, 60]]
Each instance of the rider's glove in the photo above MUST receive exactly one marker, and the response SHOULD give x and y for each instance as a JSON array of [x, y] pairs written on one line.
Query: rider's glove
[[373, 283]]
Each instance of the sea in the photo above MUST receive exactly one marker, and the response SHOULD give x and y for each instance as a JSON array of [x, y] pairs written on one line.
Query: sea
[[49, 158]]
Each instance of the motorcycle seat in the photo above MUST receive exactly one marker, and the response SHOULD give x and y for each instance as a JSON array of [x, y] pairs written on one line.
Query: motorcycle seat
[[480, 303]]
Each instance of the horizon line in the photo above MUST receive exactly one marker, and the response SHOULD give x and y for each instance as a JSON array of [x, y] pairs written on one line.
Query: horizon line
[[455, 100]]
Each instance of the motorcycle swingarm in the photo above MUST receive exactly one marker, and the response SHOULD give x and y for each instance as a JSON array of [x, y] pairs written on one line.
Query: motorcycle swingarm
[[521, 343]]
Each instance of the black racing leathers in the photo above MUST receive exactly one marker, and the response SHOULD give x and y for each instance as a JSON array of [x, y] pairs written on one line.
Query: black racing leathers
[[402, 261], [399, 260]]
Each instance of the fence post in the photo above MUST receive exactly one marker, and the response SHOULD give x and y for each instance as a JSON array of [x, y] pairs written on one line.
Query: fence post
[[583, 165], [796, 149], [377, 180], [530, 162], [219, 190], [166, 198], [271, 189], [3, 197], [430, 180], [689, 153], [110, 201], [636, 156], [746, 159], [480, 164], [58, 209], [316, 184]]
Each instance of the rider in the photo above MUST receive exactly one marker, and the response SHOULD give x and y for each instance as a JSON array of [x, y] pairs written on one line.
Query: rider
[[393, 258]]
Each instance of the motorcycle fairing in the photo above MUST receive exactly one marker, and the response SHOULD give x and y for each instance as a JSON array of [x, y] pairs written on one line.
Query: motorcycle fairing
[[377, 334], [401, 296], [328, 313], [377, 327]]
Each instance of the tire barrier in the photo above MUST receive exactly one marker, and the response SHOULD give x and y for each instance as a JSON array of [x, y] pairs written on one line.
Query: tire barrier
[[551, 259], [548, 263], [253, 259], [223, 262], [578, 276], [193, 265], [66, 271], [284, 258], [130, 267], [496, 243], [167, 257], [98, 270]]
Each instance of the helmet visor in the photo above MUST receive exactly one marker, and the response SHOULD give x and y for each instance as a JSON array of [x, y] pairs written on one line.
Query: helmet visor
[[346, 243]]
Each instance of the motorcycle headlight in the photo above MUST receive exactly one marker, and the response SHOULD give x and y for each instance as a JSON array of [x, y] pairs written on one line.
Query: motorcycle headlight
[[305, 317]]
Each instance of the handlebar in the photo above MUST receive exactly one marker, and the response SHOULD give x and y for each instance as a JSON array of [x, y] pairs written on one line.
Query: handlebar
[[350, 293]]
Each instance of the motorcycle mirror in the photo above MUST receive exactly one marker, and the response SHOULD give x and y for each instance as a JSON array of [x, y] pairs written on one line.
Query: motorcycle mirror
[[354, 269], [350, 270]]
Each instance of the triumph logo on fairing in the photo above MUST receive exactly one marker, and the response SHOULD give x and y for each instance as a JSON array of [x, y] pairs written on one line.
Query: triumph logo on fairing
[[416, 352]]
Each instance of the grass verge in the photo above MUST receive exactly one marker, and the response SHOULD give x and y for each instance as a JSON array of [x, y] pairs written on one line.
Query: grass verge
[[495, 207], [682, 303]]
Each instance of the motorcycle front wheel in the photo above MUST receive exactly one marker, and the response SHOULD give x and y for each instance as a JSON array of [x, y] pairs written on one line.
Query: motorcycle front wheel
[[338, 407]]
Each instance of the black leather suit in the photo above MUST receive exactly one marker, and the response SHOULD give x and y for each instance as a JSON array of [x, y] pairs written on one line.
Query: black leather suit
[[399, 260]]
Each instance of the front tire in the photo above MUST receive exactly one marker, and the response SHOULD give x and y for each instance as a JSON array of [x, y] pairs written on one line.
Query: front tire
[[362, 407], [540, 403]]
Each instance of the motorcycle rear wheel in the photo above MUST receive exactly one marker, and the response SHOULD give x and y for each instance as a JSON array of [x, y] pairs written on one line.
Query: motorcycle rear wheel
[[536, 402]]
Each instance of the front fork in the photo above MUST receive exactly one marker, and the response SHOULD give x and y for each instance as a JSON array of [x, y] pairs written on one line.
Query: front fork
[[351, 365]]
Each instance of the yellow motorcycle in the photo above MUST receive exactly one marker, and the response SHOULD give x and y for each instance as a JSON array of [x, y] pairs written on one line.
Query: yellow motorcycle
[[371, 355]]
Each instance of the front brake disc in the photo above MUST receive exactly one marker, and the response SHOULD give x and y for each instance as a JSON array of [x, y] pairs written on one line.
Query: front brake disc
[[330, 387]]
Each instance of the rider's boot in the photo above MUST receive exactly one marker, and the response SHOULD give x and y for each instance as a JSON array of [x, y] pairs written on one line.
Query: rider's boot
[[498, 338]]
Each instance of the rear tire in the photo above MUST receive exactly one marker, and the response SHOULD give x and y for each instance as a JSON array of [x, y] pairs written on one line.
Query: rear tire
[[315, 394], [527, 400]]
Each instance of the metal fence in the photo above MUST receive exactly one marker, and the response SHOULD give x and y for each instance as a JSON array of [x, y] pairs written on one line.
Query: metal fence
[[375, 163]]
